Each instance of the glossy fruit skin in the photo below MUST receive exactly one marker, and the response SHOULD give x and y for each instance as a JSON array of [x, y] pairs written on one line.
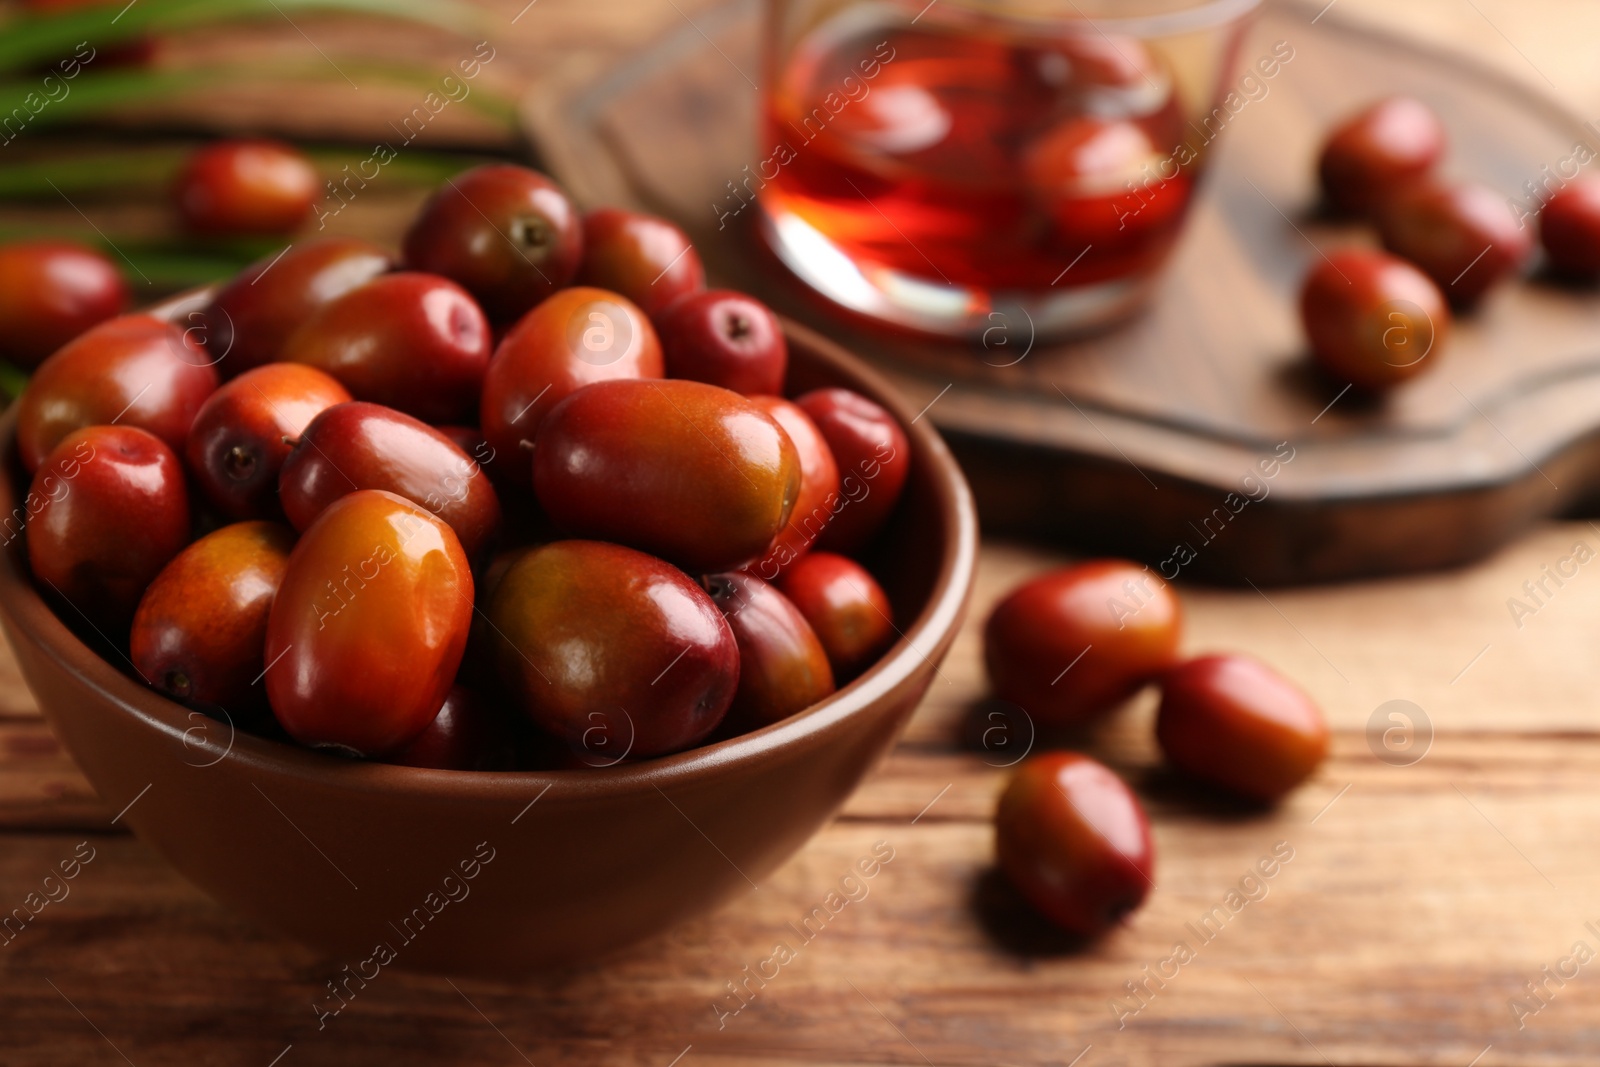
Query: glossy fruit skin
[[250, 318], [246, 429], [1462, 236], [724, 338], [369, 625], [466, 735], [645, 258], [846, 607], [367, 446], [416, 342], [611, 650], [1234, 722], [1034, 643], [200, 627], [575, 338], [694, 474], [135, 369], [873, 457], [1373, 319], [1569, 228], [818, 498], [509, 235], [1378, 152], [246, 187], [50, 292], [1073, 839], [109, 511], [783, 668]]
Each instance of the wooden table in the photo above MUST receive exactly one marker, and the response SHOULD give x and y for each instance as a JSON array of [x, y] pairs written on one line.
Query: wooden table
[[1416, 904]]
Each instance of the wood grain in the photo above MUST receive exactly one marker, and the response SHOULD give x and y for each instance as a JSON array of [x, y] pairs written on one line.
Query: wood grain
[[1418, 901]]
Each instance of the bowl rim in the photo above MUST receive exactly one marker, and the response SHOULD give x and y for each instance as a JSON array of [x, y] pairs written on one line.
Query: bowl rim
[[26, 610]]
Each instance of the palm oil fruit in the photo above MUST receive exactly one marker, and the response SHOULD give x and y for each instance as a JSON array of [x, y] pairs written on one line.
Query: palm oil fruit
[[611, 650], [724, 338], [1372, 319], [507, 234], [108, 511], [200, 627], [415, 342], [818, 497], [246, 187], [1074, 841], [873, 457], [646, 259], [1378, 152], [246, 429], [845, 606], [368, 446], [1569, 229], [369, 625], [1460, 235], [576, 338], [466, 735], [697, 475], [1234, 722], [133, 370], [1070, 645], [50, 292], [783, 667], [248, 320]]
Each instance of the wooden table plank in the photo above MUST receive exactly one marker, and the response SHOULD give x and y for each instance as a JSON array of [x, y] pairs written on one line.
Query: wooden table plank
[[1417, 902]]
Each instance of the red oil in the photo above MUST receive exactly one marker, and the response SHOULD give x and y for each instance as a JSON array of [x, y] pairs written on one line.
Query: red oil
[[964, 156]]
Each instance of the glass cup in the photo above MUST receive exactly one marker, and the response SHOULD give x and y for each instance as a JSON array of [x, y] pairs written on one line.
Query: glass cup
[[931, 164]]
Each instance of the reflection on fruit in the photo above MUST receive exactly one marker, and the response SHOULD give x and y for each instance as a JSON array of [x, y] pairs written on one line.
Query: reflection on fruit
[[873, 457], [724, 338], [818, 498], [1461, 236], [1377, 152]]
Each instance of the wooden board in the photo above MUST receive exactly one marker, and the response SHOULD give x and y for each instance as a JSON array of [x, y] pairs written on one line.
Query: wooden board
[[1132, 441], [1418, 901]]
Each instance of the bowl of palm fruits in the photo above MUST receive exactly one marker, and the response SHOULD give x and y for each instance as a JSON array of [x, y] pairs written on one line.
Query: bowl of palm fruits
[[484, 607]]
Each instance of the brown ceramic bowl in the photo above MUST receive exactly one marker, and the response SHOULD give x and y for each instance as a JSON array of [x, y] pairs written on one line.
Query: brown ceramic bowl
[[567, 865]]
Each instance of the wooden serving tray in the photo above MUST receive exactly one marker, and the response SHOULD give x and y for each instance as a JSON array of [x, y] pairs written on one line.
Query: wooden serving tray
[[1133, 441]]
